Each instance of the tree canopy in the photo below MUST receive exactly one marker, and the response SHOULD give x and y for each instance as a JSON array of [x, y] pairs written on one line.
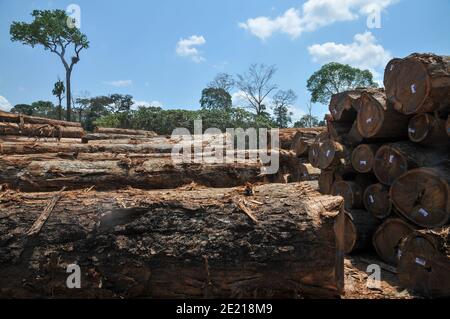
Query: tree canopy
[[215, 98]]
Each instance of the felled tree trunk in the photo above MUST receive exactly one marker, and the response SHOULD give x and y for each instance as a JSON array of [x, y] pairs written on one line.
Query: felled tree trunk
[[304, 138], [423, 195], [388, 237], [41, 130], [41, 173], [184, 243], [377, 201], [425, 263], [377, 118], [344, 106], [359, 228], [352, 190], [25, 119], [105, 130], [428, 130], [420, 83], [363, 157], [393, 160], [333, 153], [314, 150]]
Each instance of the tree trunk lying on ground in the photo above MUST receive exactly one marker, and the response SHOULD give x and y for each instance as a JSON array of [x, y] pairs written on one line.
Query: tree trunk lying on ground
[[332, 153], [393, 160], [359, 228], [183, 243], [304, 138], [41, 130], [363, 157], [424, 266], [377, 201], [24, 139], [377, 118], [423, 195], [314, 150], [105, 130], [25, 119], [344, 106], [420, 83], [428, 130], [388, 237]]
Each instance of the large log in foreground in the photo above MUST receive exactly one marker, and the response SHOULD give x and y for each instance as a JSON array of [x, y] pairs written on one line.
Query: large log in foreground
[[105, 130], [41, 130], [424, 266], [420, 83], [393, 160], [423, 195], [389, 236], [41, 173], [184, 243], [25, 119]]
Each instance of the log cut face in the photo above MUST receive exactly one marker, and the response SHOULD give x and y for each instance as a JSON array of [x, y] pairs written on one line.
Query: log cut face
[[425, 263], [377, 201], [363, 157], [359, 228], [388, 237], [184, 243], [423, 196], [426, 129]]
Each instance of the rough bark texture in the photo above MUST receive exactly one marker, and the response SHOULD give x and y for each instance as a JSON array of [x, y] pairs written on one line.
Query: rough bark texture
[[425, 263], [343, 106], [304, 138], [388, 237], [105, 130], [25, 119], [377, 201], [314, 150], [363, 157], [184, 243], [359, 228], [419, 83], [41, 130], [423, 195], [428, 129], [377, 118], [393, 160]]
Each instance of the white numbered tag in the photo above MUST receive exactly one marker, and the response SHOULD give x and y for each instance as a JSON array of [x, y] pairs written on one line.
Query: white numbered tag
[[423, 212], [372, 200], [391, 159], [364, 163], [421, 262], [413, 89]]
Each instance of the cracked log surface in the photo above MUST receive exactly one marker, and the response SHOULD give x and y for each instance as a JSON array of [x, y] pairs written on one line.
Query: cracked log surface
[[182, 243]]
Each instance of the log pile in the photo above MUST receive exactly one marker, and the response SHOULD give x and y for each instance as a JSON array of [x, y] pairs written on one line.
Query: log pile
[[387, 154]]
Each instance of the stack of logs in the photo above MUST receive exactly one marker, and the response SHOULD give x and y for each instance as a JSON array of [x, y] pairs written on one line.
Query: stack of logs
[[387, 154], [216, 230]]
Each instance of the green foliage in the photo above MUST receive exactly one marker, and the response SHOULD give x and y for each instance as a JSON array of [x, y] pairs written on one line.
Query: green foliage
[[215, 99], [308, 121], [281, 103], [40, 108], [334, 78]]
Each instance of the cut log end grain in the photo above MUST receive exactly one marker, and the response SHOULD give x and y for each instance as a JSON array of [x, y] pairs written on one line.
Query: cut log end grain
[[377, 201], [359, 228], [419, 83], [427, 129], [424, 266], [388, 237], [363, 157], [352, 193], [331, 153], [183, 243], [423, 196]]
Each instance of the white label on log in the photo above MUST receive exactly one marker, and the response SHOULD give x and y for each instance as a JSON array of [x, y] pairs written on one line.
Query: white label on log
[[392, 67], [328, 153], [391, 159], [369, 120], [364, 163], [372, 200], [399, 254], [423, 212], [413, 89], [411, 130], [421, 261]]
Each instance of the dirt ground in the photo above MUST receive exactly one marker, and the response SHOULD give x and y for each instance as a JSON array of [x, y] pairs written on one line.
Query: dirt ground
[[357, 285]]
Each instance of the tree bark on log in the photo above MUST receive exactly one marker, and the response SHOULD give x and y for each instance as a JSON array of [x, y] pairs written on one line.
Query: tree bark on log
[[425, 263], [314, 150], [41, 130], [393, 160], [388, 237], [359, 228], [363, 157], [420, 83], [304, 138], [377, 201], [344, 106], [377, 118], [25, 119], [423, 195], [184, 243], [428, 130], [38, 173], [105, 130]]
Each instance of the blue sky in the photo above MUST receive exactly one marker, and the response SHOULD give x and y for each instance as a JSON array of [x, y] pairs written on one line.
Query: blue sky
[[137, 47]]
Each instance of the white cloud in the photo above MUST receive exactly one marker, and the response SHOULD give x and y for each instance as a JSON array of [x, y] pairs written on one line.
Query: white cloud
[[187, 48], [364, 52], [120, 83], [136, 104], [314, 14], [239, 98], [4, 104]]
